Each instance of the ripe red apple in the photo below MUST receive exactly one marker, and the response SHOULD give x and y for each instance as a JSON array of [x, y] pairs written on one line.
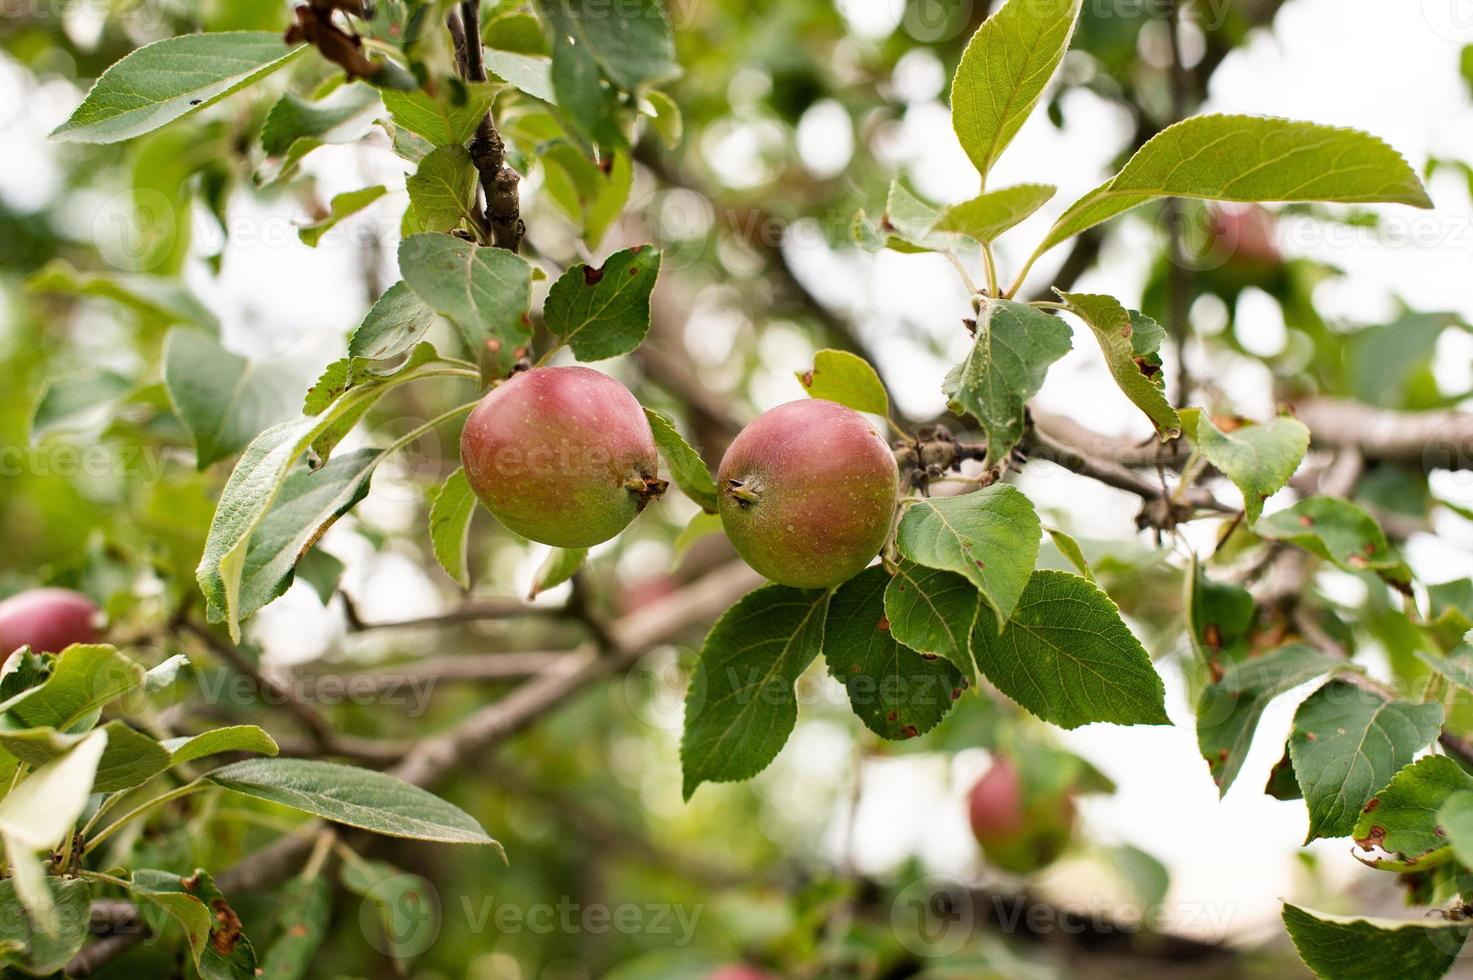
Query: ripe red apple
[[47, 620], [561, 455], [808, 493], [1018, 831]]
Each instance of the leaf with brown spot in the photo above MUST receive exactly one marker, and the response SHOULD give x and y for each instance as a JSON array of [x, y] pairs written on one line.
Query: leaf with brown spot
[[604, 312]]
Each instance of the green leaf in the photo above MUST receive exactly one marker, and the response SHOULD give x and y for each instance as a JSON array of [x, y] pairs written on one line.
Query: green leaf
[[1248, 158], [530, 73], [1071, 551], [557, 568], [1228, 710], [604, 312], [295, 126], [165, 674], [303, 908], [233, 738], [1066, 656], [1219, 616], [1456, 668], [687, 468], [991, 537], [130, 759], [162, 298], [451, 510], [442, 191], [1133, 359], [1339, 531], [163, 81], [1455, 818], [1403, 818], [308, 503], [448, 121], [223, 399], [486, 292], [84, 677], [741, 706], [221, 951], [988, 215], [257, 481], [40, 811], [1014, 347], [895, 691], [665, 117], [848, 379], [1341, 948], [703, 525], [38, 950], [1003, 72], [395, 323], [356, 797], [342, 206], [1346, 744], [933, 611], [609, 202], [1259, 459], [78, 402], [631, 42]]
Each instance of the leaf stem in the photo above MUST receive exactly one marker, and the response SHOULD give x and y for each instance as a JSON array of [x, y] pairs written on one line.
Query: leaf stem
[[433, 423], [961, 270], [177, 793], [990, 264]]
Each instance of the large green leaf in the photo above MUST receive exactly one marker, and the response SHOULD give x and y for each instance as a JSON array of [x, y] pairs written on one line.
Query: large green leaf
[[1346, 744], [395, 323], [1067, 656], [296, 126], [631, 42], [1131, 343], [211, 927], [83, 678], [1259, 459], [991, 537], [1340, 948], [1337, 530], [933, 611], [1003, 72], [130, 759], [160, 82], [40, 811], [1228, 710], [988, 215], [451, 510], [357, 797], [257, 481], [1404, 818], [1248, 158], [839, 376], [447, 120], [43, 951], [605, 311], [895, 691], [307, 504], [741, 706], [687, 468], [233, 738], [1014, 347], [442, 191], [223, 399], [486, 293]]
